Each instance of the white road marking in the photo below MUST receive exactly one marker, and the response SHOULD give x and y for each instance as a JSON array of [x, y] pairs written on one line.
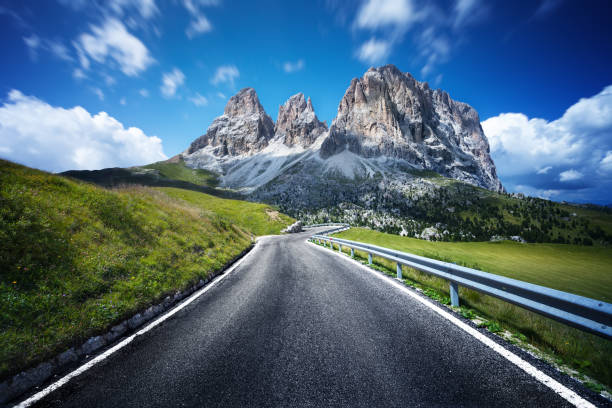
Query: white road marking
[[554, 385], [64, 380]]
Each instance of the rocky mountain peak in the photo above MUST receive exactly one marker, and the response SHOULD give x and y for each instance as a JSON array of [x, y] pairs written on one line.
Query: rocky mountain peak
[[243, 130], [297, 122], [388, 113], [245, 102]]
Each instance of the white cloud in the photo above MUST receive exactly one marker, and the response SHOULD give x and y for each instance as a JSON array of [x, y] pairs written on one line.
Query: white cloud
[[146, 8], [61, 139], [144, 93], [375, 14], [171, 81], [467, 11], [98, 93], [55, 47], [199, 24], [374, 51], [199, 100], [290, 67], [570, 175], [544, 170], [578, 144], [605, 165], [225, 74], [112, 42], [122, 101], [221, 95], [78, 74]]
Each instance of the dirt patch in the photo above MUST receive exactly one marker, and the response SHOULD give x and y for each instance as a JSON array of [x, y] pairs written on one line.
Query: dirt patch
[[273, 215]]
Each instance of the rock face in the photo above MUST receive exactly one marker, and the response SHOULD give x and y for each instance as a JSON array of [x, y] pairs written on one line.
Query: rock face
[[387, 113], [297, 123], [243, 129], [388, 125]]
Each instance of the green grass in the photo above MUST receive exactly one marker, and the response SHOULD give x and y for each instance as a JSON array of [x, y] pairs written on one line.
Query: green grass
[[177, 170], [260, 219], [169, 173], [76, 258], [586, 271]]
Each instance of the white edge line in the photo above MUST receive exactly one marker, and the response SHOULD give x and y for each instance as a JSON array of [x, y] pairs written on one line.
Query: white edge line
[[64, 380], [569, 395]]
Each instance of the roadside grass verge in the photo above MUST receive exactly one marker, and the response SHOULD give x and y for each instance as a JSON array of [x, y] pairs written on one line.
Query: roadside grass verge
[[260, 219], [76, 259], [584, 353]]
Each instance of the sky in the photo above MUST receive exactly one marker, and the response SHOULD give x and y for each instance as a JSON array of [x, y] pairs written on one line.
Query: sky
[[87, 84]]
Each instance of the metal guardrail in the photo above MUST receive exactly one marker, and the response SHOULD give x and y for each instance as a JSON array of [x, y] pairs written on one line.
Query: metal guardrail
[[584, 313], [329, 224]]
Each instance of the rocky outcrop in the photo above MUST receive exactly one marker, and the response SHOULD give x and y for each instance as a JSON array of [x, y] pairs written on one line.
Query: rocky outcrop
[[297, 123], [387, 113], [243, 129]]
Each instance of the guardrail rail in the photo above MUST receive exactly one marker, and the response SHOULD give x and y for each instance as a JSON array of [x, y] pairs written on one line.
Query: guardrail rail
[[587, 314]]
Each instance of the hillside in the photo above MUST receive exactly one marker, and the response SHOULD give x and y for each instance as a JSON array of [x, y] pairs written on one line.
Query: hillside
[[77, 258], [169, 173], [427, 205]]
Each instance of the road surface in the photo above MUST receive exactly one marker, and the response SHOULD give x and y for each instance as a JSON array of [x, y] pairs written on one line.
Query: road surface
[[296, 326]]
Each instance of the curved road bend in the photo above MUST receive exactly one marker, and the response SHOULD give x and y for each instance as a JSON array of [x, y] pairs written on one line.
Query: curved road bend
[[293, 326]]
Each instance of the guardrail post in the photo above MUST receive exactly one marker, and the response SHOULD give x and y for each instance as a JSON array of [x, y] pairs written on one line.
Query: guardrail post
[[340, 248], [399, 270], [454, 294], [370, 259], [352, 253]]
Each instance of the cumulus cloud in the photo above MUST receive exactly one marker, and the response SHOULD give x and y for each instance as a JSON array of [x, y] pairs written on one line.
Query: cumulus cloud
[[111, 42], [62, 139], [374, 51], [171, 81], [290, 67], [570, 175], [225, 74], [572, 152], [199, 100]]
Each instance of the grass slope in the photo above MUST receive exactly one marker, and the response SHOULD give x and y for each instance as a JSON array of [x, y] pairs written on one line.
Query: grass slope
[[260, 219], [169, 173], [76, 258], [582, 270]]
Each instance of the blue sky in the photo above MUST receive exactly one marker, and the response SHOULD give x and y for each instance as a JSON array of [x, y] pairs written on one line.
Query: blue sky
[[149, 76]]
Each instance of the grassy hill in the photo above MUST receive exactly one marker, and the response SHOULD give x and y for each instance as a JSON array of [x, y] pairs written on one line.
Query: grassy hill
[[169, 173], [584, 270], [76, 258]]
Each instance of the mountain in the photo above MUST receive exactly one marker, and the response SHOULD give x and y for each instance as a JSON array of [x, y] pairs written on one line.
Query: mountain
[[388, 123], [387, 113], [399, 157]]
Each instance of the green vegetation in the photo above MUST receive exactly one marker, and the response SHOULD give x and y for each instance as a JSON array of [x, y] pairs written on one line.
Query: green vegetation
[[458, 211], [76, 258], [177, 170], [582, 270], [260, 219], [169, 173], [585, 271]]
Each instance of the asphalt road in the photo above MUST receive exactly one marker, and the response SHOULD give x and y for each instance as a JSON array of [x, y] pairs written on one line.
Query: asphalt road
[[294, 326]]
